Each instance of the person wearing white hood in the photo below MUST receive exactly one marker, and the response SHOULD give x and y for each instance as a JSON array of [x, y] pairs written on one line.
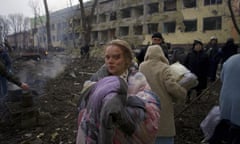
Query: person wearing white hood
[[157, 70]]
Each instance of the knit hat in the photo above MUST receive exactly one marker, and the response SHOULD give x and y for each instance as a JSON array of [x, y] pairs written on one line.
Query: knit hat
[[197, 42], [157, 35]]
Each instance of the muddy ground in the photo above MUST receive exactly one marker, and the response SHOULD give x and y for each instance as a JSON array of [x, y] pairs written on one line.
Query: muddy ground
[[57, 112]]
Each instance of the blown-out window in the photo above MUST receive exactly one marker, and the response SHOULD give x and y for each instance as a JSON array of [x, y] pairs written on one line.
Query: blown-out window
[[125, 13], [152, 27], [212, 2], [189, 3], [138, 30], [123, 31], [170, 5], [212, 23], [153, 8], [190, 25], [169, 27]]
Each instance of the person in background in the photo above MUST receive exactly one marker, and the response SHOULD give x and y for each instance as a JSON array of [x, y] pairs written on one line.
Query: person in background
[[197, 61], [157, 39], [228, 49], [85, 51], [214, 53], [230, 96], [110, 112], [5, 59], [228, 129], [157, 71]]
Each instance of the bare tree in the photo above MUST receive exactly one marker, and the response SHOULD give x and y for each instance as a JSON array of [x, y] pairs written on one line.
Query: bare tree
[[38, 20], [73, 23], [26, 28], [16, 23], [86, 20], [49, 39], [233, 16], [4, 28], [34, 5]]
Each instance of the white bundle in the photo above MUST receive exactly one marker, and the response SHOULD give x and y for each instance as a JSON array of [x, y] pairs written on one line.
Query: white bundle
[[188, 81], [178, 70], [136, 83], [210, 122], [183, 76]]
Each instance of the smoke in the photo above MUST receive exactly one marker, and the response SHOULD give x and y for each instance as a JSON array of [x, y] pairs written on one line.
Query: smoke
[[53, 68], [36, 73]]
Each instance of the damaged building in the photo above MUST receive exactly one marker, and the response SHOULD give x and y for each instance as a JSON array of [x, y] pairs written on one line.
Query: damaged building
[[179, 21]]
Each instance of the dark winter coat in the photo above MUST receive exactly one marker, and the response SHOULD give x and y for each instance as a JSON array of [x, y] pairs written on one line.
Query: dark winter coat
[[8, 76], [141, 55], [3, 81], [214, 52], [198, 63], [228, 50]]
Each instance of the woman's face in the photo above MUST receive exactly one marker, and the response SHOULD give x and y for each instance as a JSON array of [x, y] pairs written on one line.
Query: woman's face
[[115, 60], [198, 47]]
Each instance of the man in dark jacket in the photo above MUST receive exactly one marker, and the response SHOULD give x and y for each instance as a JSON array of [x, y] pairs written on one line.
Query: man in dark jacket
[[197, 62], [229, 49], [158, 40], [7, 63], [12, 78], [214, 53]]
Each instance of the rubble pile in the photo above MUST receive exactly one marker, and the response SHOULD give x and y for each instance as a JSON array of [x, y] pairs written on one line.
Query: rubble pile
[[57, 111]]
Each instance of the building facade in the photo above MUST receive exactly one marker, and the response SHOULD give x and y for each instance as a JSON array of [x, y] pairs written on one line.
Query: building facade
[[179, 21]]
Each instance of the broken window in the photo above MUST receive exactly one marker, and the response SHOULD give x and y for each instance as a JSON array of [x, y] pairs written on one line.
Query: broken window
[[170, 5], [212, 2], [190, 25], [138, 11], [94, 19], [152, 27], [53, 38], [126, 13], [103, 36], [94, 35], [112, 34], [123, 31], [113, 16], [169, 27], [137, 30], [74, 21], [212, 23], [189, 3], [153, 8], [53, 27], [102, 18]]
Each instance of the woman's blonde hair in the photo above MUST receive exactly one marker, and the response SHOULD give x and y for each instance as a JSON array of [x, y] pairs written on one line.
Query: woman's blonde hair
[[125, 47]]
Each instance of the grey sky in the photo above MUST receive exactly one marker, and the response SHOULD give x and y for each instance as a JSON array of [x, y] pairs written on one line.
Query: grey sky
[[22, 6]]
